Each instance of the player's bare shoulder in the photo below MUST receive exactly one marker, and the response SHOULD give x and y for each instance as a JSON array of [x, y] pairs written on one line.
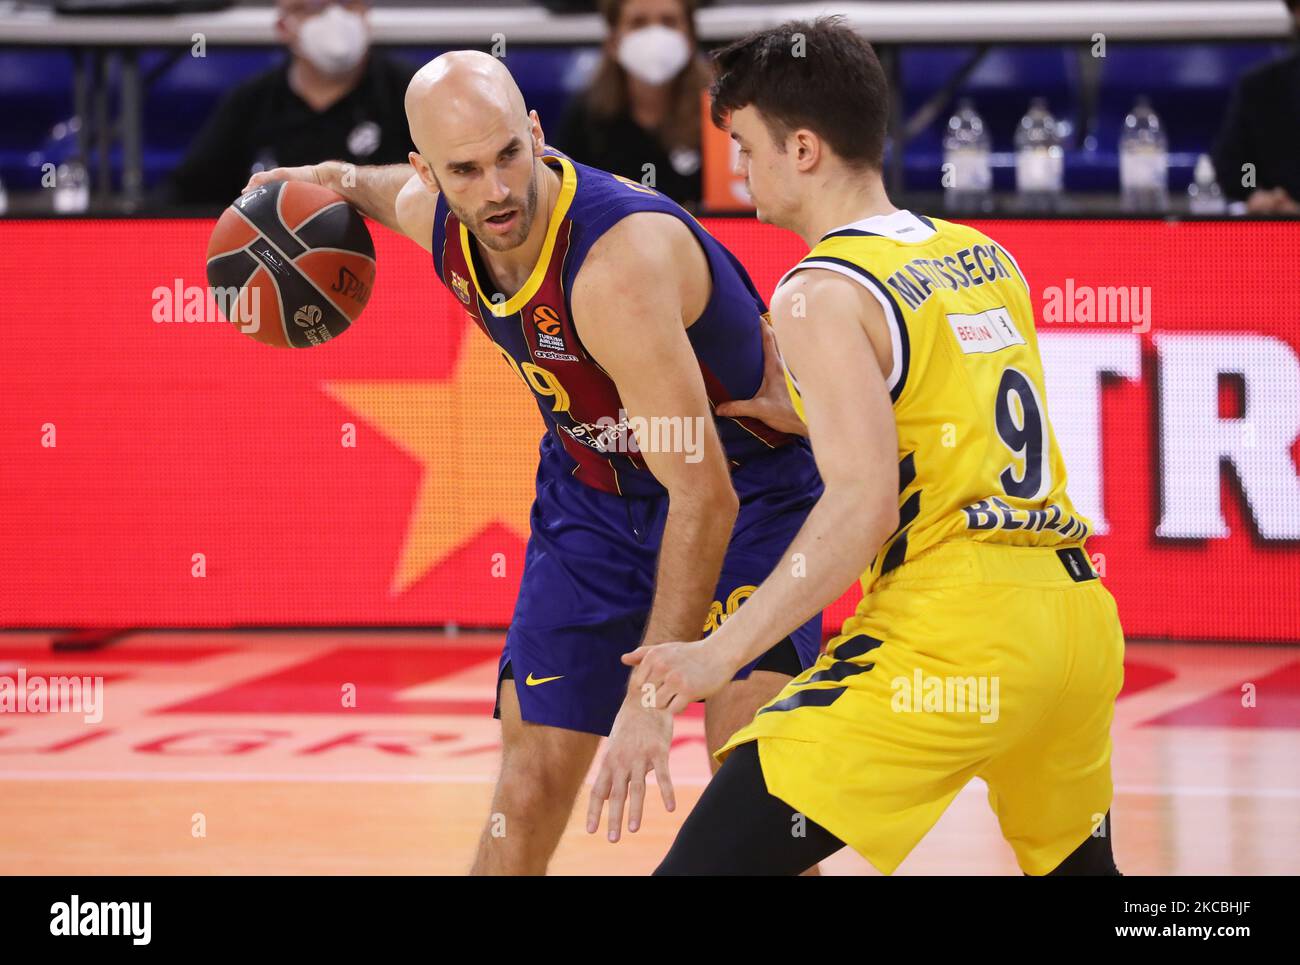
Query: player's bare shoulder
[[648, 255], [813, 291], [417, 208], [818, 292]]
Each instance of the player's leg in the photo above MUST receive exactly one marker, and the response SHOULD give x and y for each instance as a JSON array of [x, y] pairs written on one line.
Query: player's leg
[[737, 703], [735, 706], [856, 746], [836, 764], [1052, 791], [1094, 857], [586, 588], [738, 828], [776, 495], [542, 769]]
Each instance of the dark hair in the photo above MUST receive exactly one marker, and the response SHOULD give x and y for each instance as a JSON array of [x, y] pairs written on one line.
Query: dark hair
[[607, 95], [817, 75]]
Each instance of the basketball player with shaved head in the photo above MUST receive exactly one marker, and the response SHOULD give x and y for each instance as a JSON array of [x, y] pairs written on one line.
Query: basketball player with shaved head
[[622, 315]]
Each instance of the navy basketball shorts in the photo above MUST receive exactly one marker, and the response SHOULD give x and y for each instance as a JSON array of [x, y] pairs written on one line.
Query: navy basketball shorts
[[588, 583]]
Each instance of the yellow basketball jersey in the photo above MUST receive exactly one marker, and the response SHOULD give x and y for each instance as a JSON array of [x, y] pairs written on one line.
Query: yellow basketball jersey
[[977, 459]]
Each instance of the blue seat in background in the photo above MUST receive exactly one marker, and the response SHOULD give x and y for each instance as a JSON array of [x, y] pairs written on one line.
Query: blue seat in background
[[1188, 84], [183, 96], [35, 95]]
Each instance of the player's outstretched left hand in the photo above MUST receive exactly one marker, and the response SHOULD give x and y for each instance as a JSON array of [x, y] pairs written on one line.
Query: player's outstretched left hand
[[638, 744], [675, 675]]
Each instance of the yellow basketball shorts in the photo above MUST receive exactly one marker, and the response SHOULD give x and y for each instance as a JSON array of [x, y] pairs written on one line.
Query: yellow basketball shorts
[[973, 660]]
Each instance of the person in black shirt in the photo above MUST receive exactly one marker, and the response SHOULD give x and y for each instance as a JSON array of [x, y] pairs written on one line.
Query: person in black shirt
[[332, 98], [640, 116], [1263, 129]]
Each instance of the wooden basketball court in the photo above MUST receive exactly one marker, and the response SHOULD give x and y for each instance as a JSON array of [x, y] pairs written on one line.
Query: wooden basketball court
[[244, 753]]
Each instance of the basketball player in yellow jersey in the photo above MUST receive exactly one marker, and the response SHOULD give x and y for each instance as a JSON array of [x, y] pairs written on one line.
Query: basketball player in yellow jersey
[[985, 645]]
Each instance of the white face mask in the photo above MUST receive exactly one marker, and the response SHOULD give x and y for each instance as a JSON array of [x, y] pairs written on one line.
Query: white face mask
[[334, 40], [654, 54]]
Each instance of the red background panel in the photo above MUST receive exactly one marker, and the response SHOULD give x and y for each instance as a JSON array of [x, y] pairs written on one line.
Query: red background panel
[[183, 438]]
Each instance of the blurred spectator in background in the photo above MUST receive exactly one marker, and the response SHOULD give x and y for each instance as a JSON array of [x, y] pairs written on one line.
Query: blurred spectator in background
[[333, 98], [1263, 129], [643, 104]]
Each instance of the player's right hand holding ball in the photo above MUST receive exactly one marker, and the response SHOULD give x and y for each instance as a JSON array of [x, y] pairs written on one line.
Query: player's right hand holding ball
[[308, 172]]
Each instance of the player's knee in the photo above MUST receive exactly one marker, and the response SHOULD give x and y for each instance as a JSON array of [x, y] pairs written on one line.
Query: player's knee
[[529, 785], [1093, 857]]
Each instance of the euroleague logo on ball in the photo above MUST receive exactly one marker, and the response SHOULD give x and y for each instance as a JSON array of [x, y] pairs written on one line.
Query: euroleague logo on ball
[[307, 316]]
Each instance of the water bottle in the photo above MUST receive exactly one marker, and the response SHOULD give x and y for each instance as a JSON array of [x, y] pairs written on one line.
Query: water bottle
[[71, 187], [1040, 160], [1203, 194], [967, 175], [1143, 161]]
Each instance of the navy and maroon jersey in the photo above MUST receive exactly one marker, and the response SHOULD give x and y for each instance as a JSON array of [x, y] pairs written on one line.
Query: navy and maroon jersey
[[534, 330]]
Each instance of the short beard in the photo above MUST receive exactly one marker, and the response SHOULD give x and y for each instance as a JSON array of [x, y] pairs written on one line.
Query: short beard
[[527, 212]]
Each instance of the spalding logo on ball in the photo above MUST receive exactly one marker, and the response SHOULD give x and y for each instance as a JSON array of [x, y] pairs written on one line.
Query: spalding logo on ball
[[291, 264]]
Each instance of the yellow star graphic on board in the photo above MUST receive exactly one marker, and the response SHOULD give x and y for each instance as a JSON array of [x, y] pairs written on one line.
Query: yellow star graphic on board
[[475, 437]]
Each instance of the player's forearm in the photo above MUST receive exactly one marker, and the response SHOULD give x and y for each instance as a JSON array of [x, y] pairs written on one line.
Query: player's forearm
[[694, 543], [836, 543], [372, 190]]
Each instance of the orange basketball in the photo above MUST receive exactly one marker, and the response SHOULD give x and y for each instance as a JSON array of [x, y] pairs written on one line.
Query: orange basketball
[[291, 264]]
